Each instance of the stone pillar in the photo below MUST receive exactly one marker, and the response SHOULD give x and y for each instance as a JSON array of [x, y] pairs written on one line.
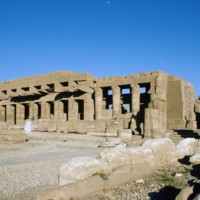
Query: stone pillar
[[20, 113], [59, 110], [2, 113], [98, 103], [43, 110], [73, 109], [116, 100], [152, 122], [10, 114], [31, 110], [135, 90], [88, 107], [56, 110]]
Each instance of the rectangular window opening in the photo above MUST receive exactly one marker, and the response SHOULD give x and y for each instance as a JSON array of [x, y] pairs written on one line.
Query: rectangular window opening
[[126, 91], [4, 92], [107, 98], [64, 84], [26, 88], [14, 90], [50, 87], [38, 87]]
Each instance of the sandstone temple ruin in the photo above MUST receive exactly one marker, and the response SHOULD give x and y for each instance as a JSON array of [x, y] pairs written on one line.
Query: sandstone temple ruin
[[147, 103]]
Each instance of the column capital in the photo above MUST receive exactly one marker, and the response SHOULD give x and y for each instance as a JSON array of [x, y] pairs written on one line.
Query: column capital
[[98, 91]]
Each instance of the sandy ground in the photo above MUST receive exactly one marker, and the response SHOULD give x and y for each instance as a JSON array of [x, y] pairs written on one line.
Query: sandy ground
[[31, 167]]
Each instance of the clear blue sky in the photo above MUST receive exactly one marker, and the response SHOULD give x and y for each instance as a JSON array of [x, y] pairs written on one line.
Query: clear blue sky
[[101, 37]]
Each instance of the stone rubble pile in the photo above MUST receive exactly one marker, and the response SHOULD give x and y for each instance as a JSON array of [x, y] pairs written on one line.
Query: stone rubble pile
[[120, 165]]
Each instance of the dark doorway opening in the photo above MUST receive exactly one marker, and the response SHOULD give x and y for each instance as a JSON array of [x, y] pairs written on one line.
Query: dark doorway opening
[[80, 109], [65, 109], [144, 95], [51, 109], [39, 110], [26, 111], [15, 113]]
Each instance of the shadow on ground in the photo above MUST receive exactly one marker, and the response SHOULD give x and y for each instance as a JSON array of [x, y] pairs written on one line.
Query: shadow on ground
[[166, 193], [185, 160], [187, 133]]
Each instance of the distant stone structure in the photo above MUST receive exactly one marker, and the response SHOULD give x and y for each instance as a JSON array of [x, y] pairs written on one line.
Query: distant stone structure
[[73, 102]]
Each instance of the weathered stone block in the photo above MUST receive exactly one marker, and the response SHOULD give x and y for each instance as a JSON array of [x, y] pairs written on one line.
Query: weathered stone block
[[126, 136], [62, 127], [12, 136], [52, 127], [78, 169], [186, 147]]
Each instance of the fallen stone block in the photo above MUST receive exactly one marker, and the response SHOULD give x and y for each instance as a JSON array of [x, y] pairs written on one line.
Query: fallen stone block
[[195, 159], [186, 147], [77, 169], [164, 151], [116, 156], [81, 189], [184, 193]]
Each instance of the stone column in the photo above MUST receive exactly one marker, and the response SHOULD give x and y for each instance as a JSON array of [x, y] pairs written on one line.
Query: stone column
[[88, 107], [20, 113], [43, 110], [116, 100], [98, 103], [35, 111], [56, 109], [10, 114], [2, 113], [73, 109], [135, 90], [31, 110]]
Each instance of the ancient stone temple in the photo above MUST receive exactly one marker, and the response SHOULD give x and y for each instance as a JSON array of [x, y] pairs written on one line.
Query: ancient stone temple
[[148, 103]]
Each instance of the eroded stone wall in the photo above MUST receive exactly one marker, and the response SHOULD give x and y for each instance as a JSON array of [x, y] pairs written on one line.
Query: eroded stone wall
[[156, 100]]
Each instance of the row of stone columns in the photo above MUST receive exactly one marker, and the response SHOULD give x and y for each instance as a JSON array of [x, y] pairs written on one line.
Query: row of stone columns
[[116, 100], [15, 113]]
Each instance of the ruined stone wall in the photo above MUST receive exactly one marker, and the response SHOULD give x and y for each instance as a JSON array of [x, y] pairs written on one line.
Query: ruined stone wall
[[156, 100], [180, 104]]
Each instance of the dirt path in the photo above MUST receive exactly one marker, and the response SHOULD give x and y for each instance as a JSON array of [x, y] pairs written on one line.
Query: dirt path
[[31, 167]]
